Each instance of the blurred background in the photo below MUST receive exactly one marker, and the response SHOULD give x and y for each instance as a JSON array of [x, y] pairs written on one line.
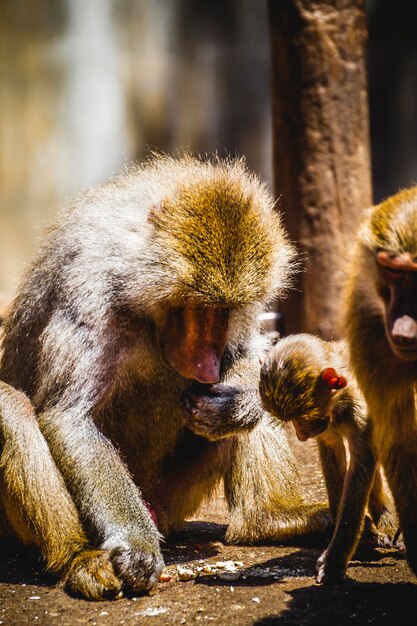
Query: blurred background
[[86, 85]]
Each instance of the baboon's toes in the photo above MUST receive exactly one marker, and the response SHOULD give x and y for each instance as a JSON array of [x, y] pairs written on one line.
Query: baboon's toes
[[92, 576]]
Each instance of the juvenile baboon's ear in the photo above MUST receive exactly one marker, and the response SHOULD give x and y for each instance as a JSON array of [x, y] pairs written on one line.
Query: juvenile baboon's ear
[[333, 379]]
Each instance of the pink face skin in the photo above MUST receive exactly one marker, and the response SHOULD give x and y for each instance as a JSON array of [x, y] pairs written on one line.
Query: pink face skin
[[399, 273], [193, 340], [403, 262], [306, 428]]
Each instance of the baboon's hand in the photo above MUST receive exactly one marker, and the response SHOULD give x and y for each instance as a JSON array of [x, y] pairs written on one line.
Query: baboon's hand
[[212, 411], [137, 561], [138, 569], [330, 570]]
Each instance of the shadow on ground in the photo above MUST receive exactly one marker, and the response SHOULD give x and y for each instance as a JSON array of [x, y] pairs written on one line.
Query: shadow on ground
[[350, 603], [276, 584]]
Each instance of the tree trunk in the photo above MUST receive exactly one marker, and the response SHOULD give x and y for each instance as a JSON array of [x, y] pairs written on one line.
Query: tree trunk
[[320, 147]]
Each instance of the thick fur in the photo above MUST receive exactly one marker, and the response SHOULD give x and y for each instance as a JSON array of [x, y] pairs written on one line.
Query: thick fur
[[36, 507], [388, 382], [122, 426], [293, 389]]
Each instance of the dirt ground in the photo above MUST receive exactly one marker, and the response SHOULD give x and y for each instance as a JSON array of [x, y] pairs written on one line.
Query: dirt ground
[[265, 585]]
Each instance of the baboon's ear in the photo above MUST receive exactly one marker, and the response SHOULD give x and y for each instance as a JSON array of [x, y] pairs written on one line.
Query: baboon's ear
[[154, 212], [333, 379]]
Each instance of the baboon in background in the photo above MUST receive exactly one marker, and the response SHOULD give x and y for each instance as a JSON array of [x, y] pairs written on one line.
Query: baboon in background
[[382, 332], [305, 380], [4, 303], [146, 283]]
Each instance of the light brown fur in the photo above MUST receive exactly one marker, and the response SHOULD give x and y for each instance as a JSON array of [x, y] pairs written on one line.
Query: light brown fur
[[36, 507], [294, 387], [146, 282], [386, 366]]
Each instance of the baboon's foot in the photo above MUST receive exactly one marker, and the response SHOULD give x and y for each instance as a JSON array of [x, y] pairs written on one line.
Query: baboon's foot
[[331, 568], [380, 536], [91, 575]]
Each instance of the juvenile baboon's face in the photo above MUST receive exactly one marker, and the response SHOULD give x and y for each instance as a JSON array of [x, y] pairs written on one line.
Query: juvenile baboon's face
[[294, 386], [307, 427], [292, 389]]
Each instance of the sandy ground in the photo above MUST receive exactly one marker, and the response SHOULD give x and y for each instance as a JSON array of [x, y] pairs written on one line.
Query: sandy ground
[[273, 585]]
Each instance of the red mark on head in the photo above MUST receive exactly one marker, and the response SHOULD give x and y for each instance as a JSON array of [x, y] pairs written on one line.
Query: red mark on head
[[333, 379], [152, 512]]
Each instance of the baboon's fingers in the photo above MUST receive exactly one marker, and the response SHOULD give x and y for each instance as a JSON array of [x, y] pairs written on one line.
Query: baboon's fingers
[[139, 570]]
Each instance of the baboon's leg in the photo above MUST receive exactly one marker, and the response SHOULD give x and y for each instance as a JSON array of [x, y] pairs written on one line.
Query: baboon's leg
[[333, 462], [396, 437], [332, 564], [37, 507], [381, 511], [261, 486]]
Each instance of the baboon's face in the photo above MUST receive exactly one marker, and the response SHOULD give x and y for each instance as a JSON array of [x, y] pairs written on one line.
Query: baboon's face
[[192, 340], [306, 428], [397, 284]]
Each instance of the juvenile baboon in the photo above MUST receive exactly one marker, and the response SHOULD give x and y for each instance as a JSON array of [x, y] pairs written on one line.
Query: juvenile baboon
[[305, 380], [146, 283], [382, 332]]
